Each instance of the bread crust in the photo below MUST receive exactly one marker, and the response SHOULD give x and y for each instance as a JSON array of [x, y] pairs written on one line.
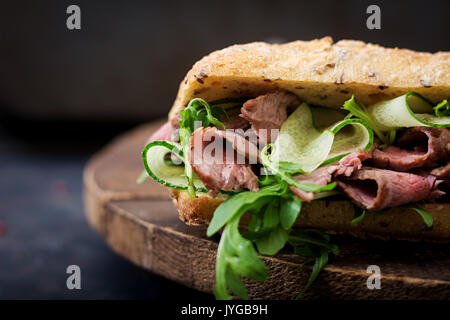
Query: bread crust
[[323, 73], [318, 72], [335, 217]]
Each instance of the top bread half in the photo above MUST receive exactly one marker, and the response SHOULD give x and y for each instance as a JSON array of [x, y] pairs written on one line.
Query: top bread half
[[319, 72]]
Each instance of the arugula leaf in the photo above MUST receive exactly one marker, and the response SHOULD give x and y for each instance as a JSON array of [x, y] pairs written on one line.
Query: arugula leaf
[[319, 263], [358, 219], [268, 180], [185, 136], [216, 112], [305, 250], [442, 109], [197, 106], [238, 204], [197, 113], [360, 214], [392, 136], [269, 220], [360, 111], [238, 254], [273, 242], [314, 244], [270, 237], [326, 194], [290, 167], [269, 231], [220, 113], [286, 175], [311, 237], [235, 284], [255, 223], [289, 211], [426, 216]]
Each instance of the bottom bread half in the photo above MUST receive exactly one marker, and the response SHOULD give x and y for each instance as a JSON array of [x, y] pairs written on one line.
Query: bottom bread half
[[334, 216]]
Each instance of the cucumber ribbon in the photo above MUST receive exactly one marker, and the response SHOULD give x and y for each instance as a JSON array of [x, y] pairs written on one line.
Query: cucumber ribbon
[[315, 136], [154, 158], [408, 110]]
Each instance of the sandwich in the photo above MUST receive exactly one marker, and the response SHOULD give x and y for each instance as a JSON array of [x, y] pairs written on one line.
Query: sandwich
[[277, 147]]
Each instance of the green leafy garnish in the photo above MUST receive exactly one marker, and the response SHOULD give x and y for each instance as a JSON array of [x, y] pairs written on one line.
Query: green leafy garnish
[[286, 174], [290, 168], [289, 211], [266, 220], [442, 109], [358, 219], [197, 113], [236, 258], [426, 216], [274, 209], [360, 111], [273, 242], [238, 204], [236, 255], [361, 213], [199, 110], [268, 178], [314, 244], [270, 237], [392, 135]]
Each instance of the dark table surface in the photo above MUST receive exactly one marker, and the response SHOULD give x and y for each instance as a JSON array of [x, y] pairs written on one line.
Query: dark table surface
[[42, 225]]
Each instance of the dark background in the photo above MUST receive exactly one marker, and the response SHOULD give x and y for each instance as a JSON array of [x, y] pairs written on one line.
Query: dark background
[[63, 94]]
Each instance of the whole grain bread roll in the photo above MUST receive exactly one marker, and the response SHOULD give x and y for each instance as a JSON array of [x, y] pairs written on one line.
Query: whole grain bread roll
[[319, 72], [323, 73]]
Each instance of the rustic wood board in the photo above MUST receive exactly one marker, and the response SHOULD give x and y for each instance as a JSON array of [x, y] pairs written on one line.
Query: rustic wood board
[[140, 223]]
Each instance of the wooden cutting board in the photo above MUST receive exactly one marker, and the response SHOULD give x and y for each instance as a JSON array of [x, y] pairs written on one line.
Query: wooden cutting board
[[140, 223]]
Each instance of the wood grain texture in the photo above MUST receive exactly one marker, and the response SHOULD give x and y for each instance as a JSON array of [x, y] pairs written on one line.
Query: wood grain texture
[[140, 223]]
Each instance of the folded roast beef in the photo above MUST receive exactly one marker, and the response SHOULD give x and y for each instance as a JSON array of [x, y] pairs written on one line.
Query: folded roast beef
[[236, 122], [267, 112], [377, 189], [324, 175], [231, 171], [418, 147], [217, 164], [321, 176], [442, 173]]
